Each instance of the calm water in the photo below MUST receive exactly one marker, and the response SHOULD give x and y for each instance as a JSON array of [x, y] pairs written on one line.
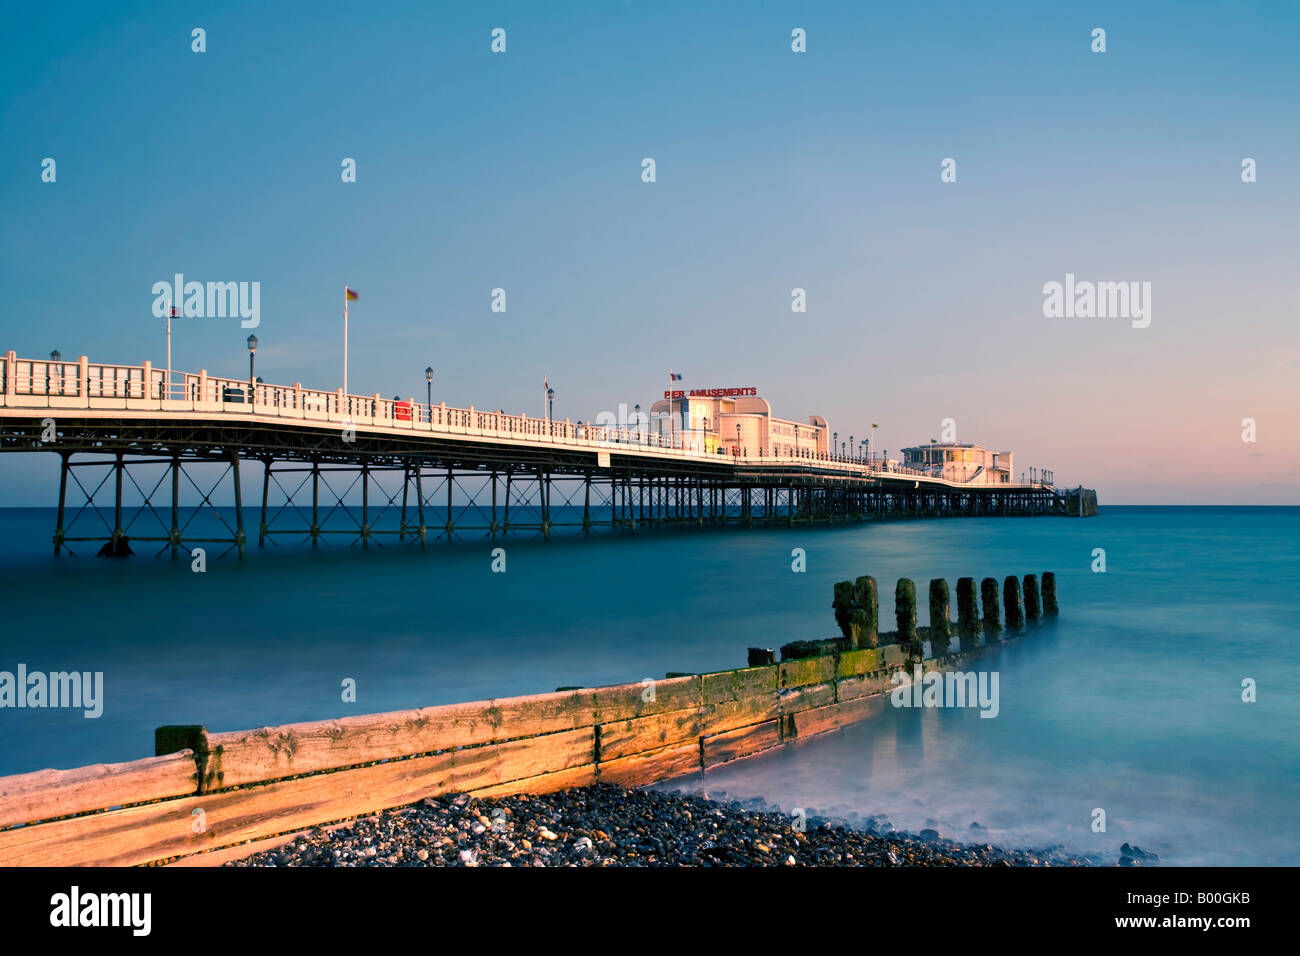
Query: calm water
[[1131, 703]]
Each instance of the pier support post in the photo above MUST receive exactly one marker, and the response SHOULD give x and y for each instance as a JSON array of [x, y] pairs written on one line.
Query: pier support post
[[1049, 594], [419, 500], [1011, 598], [992, 613], [905, 615], [266, 490], [315, 504], [505, 520], [494, 505], [939, 610], [406, 490], [174, 536], [1032, 612], [239, 501], [451, 480], [586, 507], [63, 497], [365, 503], [967, 613]]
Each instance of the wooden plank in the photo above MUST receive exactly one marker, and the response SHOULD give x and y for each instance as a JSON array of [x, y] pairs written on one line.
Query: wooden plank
[[737, 684], [851, 688], [821, 719], [728, 715], [857, 663], [237, 852], [806, 698], [651, 766], [270, 753], [46, 794], [807, 670], [624, 737], [583, 776], [745, 742], [162, 830]]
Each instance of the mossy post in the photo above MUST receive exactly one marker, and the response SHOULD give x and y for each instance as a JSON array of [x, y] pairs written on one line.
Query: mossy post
[[992, 614], [844, 604], [1011, 599], [1049, 594], [968, 617], [1032, 611], [905, 614], [868, 600], [939, 611]]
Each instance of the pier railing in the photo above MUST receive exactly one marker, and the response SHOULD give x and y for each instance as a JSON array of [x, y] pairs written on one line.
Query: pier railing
[[54, 385]]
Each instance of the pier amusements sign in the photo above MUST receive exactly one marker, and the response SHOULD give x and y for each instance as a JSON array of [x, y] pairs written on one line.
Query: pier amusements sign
[[711, 392]]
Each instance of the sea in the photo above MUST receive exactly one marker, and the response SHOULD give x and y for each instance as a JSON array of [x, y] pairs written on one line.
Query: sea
[[1162, 708]]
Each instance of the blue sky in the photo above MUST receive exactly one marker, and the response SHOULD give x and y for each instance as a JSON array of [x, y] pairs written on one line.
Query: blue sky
[[775, 170]]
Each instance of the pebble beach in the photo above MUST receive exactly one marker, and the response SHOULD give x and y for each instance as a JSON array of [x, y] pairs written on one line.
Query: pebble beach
[[607, 825]]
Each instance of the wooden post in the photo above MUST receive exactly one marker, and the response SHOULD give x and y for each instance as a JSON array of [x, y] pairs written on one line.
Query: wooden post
[[867, 598], [1011, 599], [844, 604], [992, 613], [1032, 612], [967, 613], [905, 615], [939, 610], [1049, 594]]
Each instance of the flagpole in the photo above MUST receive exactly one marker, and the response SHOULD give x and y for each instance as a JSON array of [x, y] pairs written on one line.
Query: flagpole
[[168, 386], [670, 408], [345, 342]]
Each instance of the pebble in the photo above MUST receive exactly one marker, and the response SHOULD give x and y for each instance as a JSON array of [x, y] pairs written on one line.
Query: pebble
[[616, 826]]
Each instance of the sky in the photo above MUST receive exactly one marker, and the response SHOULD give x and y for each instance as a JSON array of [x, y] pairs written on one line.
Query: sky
[[775, 170]]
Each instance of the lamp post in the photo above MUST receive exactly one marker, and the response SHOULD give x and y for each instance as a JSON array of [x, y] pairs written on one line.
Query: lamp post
[[737, 439], [252, 379], [55, 356], [428, 386], [835, 442], [550, 404], [636, 409]]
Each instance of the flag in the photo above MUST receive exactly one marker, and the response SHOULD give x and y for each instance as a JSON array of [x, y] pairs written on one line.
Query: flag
[[674, 376], [349, 294]]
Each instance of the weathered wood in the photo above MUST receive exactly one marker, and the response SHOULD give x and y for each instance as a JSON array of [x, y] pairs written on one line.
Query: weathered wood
[[1032, 611], [796, 699], [819, 720], [1050, 607], [47, 794], [1011, 603], [270, 753], [967, 613], [808, 670], [852, 688], [169, 828], [624, 737], [992, 614], [737, 684], [730, 714], [652, 766], [940, 629], [868, 601], [745, 742], [583, 776]]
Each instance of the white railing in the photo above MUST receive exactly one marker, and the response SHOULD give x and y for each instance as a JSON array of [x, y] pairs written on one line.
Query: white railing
[[28, 383]]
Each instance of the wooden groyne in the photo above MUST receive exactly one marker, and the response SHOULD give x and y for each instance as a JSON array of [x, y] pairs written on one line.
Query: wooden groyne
[[209, 797]]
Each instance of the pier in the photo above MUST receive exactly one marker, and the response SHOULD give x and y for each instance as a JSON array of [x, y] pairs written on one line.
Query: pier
[[147, 438]]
